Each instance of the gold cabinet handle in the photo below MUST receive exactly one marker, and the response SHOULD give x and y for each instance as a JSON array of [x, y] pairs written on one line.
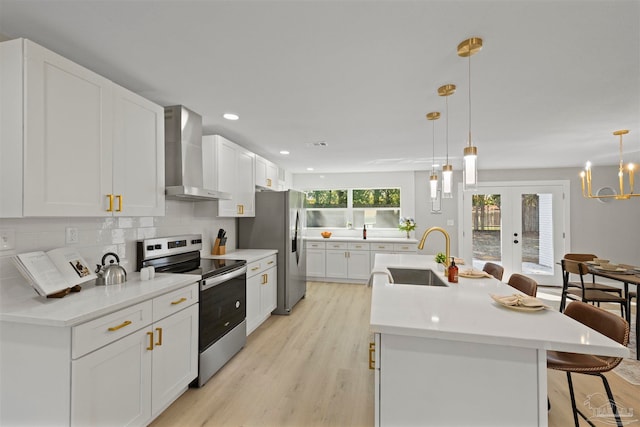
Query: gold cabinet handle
[[265, 279], [150, 335], [372, 351], [110, 196], [270, 262], [240, 209], [159, 336], [120, 326], [268, 182], [255, 268], [119, 197], [181, 300]]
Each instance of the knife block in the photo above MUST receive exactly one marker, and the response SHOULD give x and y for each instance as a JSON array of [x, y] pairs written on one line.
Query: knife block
[[219, 247]]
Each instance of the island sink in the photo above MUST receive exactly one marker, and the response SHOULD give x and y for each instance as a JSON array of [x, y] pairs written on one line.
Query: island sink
[[414, 276]]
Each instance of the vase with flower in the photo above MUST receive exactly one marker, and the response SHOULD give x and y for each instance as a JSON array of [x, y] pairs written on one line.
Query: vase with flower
[[407, 225]]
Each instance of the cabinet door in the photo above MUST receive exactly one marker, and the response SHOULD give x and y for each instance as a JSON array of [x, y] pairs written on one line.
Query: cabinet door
[[246, 182], [253, 302], [269, 292], [359, 265], [67, 137], [315, 262], [138, 155], [261, 172], [336, 263], [272, 175], [175, 356], [111, 386]]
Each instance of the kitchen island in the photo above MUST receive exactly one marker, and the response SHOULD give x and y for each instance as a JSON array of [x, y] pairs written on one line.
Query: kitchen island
[[439, 349]]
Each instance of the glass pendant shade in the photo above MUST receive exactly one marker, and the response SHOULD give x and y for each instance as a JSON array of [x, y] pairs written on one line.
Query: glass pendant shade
[[447, 182], [470, 170], [433, 184]]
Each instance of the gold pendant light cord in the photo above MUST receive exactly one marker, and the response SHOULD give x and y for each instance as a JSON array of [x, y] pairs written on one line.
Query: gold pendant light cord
[[433, 150], [469, 100]]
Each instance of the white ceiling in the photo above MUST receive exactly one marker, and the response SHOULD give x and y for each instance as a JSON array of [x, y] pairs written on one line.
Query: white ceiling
[[552, 82]]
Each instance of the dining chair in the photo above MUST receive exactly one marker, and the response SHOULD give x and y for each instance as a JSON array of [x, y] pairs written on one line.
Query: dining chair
[[524, 284], [609, 324], [593, 284], [583, 292], [632, 295], [493, 269]]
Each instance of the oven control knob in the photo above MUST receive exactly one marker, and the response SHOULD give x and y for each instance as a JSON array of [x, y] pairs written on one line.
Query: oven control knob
[[149, 247], [158, 246], [237, 304]]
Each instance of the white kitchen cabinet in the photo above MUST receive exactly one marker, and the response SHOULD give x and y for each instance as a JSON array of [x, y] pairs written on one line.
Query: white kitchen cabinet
[[348, 261], [316, 259], [234, 174], [79, 144], [142, 373], [262, 280], [266, 174], [120, 368]]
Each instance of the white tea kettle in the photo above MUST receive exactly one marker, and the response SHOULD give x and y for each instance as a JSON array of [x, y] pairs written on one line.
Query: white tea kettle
[[112, 274]]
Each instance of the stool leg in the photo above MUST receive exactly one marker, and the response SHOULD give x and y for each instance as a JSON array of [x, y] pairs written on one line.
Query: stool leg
[[614, 407], [573, 400]]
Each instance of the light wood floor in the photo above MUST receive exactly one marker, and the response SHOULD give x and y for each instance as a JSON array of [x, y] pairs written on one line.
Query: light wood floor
[[310, 369]]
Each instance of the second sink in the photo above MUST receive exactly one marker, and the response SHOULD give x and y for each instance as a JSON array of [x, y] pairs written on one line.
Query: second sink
[[414, 276]]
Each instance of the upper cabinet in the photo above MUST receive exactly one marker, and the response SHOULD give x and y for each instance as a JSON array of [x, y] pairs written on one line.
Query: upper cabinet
[[266, 174], [233, 172], [75, 143]]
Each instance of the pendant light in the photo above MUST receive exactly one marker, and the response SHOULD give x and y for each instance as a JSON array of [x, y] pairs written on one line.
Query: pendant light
[[433, 179], [447, 169], [466, 49]]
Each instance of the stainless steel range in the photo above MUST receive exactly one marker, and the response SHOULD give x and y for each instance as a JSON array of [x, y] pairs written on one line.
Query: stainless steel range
[[222, 319]]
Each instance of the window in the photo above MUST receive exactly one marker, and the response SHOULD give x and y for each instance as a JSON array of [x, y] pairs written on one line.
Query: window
[[376, 207]]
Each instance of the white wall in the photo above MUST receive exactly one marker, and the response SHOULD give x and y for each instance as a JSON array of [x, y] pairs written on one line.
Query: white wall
[[100, 235]]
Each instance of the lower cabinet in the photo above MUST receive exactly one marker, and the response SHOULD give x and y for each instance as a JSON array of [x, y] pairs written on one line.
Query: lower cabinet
[[120, 369], [348, 261], [262, 291], [142, 373]]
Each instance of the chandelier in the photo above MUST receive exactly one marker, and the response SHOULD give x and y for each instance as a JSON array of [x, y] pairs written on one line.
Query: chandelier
[[586, 175]]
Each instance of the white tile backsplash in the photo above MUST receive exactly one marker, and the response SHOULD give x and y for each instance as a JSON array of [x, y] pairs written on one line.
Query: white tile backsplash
[[97, 236]]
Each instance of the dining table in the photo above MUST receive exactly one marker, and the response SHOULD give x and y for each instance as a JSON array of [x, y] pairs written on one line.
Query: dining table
[[627, 275]]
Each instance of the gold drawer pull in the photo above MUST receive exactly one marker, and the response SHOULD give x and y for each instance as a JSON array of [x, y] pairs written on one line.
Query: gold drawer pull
[[270, 262], [181, 300], [159, 336], [372, 350], [150, 334], [120, 326], [255, 268]]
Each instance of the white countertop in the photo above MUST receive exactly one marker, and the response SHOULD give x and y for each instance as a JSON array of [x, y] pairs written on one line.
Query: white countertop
[[249, 255], [361, 240], [20, 303], [466, 312]]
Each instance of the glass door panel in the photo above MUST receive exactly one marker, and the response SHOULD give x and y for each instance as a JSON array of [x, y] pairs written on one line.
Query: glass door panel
[[486, 220]]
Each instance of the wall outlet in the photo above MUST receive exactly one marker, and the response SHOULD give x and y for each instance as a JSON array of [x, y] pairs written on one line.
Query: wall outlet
[[7, 239], [71, 235]]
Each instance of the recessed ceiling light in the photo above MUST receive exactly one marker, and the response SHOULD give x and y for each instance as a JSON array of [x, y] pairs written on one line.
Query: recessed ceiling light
[[230, 116], [285, 152], [309, 169]]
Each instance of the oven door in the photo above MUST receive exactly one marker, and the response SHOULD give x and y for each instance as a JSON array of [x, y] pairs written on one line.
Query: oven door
[[222, 305]]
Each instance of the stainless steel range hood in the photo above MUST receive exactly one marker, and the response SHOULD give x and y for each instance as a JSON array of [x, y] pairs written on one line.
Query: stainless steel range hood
[[183, 157]]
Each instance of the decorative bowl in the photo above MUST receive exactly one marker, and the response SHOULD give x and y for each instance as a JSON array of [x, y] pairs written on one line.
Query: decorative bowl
[[326, 234]]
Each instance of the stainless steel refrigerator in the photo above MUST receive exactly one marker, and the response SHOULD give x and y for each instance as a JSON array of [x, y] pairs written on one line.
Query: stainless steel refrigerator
[[279, 224]]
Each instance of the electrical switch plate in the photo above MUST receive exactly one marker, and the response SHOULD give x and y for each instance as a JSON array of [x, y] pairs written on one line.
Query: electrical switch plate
[[7, 239], [71, 235]]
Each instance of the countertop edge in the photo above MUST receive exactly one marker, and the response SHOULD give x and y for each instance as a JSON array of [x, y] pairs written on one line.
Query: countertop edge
[[249, 255]]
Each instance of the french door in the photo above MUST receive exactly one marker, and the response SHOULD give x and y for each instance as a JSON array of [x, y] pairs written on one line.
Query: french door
[[521, 226]]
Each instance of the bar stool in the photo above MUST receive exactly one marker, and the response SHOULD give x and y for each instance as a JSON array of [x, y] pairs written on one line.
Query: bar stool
[[609, 324], [524, 284], [493, 269]]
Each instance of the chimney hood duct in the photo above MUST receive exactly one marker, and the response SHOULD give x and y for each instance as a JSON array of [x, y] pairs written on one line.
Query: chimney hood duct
[[183, 157]]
